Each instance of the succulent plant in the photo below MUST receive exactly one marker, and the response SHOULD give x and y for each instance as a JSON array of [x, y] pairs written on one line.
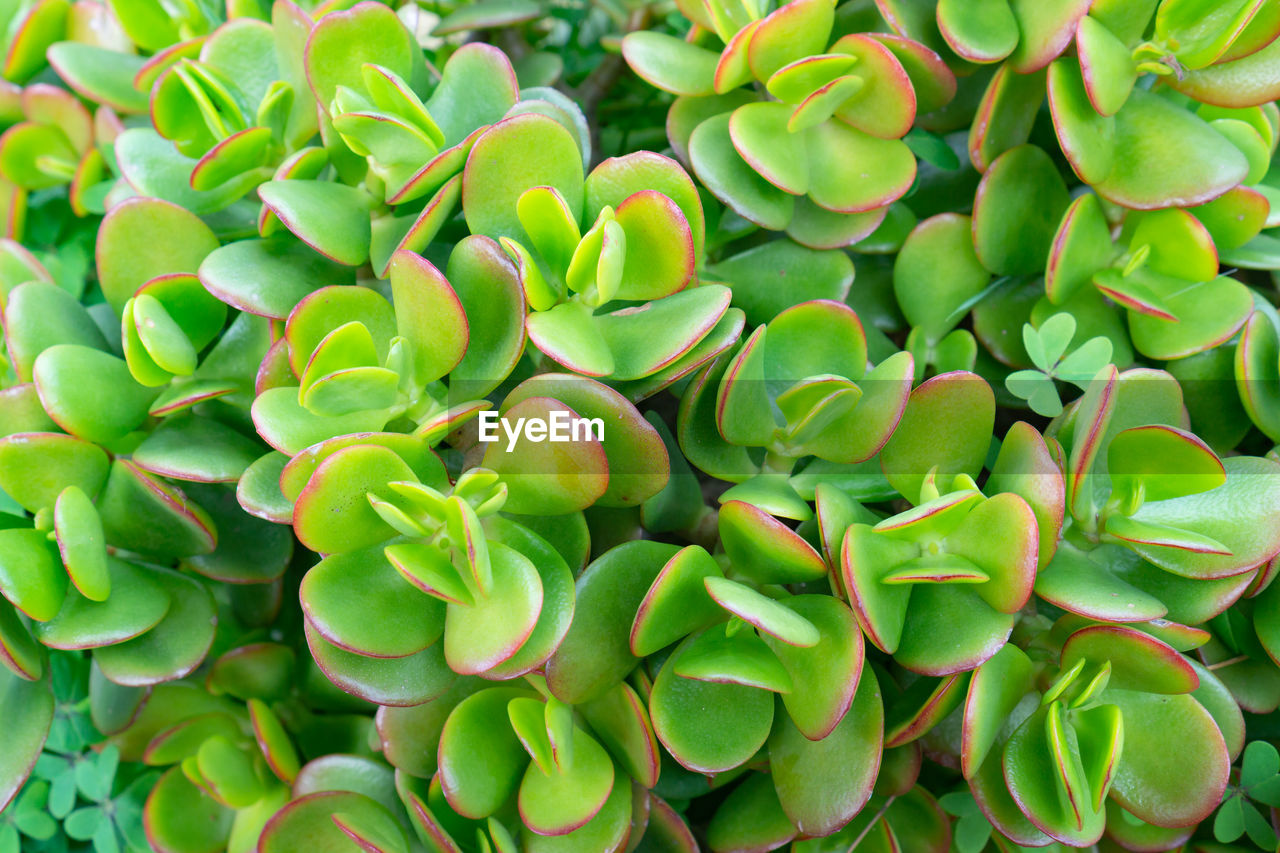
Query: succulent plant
[[498, 426]]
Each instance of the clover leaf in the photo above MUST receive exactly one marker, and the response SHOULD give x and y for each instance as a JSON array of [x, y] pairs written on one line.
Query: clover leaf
[[1259, 783], [1047, 347]]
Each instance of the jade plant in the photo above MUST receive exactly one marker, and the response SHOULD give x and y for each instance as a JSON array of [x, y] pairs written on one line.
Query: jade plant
[[490, 426]]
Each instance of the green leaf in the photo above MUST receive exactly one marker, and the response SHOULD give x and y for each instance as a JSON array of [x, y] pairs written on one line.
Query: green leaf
[[82, 823], [331, 218], [932, 148], [671, 63], [512, 157], [823, 783], [1261, 763], [481, 758], [1258, 828], [764, 613], [709, 727], [596, 653], [1229, 823]]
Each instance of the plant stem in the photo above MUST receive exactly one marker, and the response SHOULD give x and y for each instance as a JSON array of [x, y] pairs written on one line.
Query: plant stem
[[591, 91], [1223, 664], [867, 828]]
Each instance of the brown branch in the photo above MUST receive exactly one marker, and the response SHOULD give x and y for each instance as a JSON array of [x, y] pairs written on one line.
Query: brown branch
[[867, 828]]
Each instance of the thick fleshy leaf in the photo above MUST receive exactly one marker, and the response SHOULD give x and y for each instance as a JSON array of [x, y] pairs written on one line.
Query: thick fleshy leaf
[[490, 631], [31, 575], [556, 612], [307, 823], [632, 447], [1197, 329], [764, 549], [128, 257], [885, 105], [29, 706], [648, 338], [22, 411], [410, 735], [477, 88], [660, 246], [332, 514], [90, 393], [340, 591], [1138, 661], [1016, 211], [986, 31], [1166, 156], [331, 218], [428, 315], [788, 34], [481, 759], [544, 476], [1163, 786], [147, 515], [929, 296], [154, 167], [677, 603], [568, 334], [1044, 32], [823, 783], [671, 64], [995, 689], [101, 75], [1048, 781], [1108, 69], [999, 536], [138, 601], [19, 651], [515, 155], [36, 467], [563, 800], [1228, 514], [955, 611], [732, 179], [203, 450], [336, 51], [596, 653], [961, 399], [1005, 115], [924, 704], [618, 178], [268, 277], [422, 461], [756, 277], [824, 676], [1081, 247], [881, 609], [409, 680], [766, 614], [174, 647], [1160, 462], [707, 726], [485, 282], [178, 815], [607, 831], [1026, 468], [750, 818], [250, 549], [1243, 82], [1080, 582], [837, 185], [620, 721], [39, 315]]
